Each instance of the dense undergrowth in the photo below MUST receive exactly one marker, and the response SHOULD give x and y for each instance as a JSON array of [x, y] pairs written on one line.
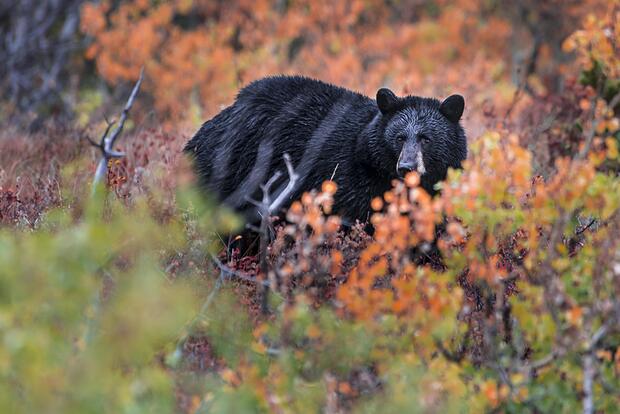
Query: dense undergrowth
[[498, 295]]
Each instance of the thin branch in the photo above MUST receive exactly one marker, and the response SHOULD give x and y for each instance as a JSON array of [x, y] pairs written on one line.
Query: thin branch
[[227, 272], [99, 144], [218, 285], [589, 371], [609, 388], [589, 364], [264, 242], [109, 143], [288, 190], [503, 375], [598, 335], [255, 203], [586, 227], [614, 101], [267, 186], [523, 85], [108, 140], [252, 227], [544, 361], [92, 142], [334, 173], [266, 209], [454, 356]]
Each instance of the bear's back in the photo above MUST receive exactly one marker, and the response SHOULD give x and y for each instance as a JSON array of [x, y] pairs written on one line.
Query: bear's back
[[316, 123], [278, 90]]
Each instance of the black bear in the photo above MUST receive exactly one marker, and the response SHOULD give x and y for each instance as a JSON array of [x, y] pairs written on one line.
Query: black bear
[[329, 132]]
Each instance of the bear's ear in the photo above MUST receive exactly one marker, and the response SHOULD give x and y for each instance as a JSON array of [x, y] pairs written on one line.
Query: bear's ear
[[452, 107], [386, 100]]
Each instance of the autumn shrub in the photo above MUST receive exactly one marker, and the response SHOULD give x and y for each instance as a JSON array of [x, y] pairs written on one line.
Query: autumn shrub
[[523, 316], [554, 125], [86, 311], [30, 172], [498, 295], [42, 171], [198, 53]]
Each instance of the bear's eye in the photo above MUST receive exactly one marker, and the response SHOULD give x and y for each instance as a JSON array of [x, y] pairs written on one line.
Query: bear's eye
[[401, 138], [424, 138]]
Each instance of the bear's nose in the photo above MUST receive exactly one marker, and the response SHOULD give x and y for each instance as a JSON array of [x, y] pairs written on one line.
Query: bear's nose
[[404, 168]]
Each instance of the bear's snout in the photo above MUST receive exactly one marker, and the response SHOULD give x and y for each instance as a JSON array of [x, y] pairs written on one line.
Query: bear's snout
[[410, 159], [404, 168]]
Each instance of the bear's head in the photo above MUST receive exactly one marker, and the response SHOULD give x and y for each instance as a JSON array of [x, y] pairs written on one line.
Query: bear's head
[[422, 134]]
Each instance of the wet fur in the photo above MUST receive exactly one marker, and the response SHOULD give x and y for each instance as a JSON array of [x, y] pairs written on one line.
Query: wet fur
[[329, 132]]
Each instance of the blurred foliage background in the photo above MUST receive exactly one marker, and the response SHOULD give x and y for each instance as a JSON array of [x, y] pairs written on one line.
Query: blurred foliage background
[[499, 295], [69, 57]]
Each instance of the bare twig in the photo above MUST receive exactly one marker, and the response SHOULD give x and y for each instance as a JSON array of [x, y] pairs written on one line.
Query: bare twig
[[266, 208], [457, 355], [264, 266], [334, 173], [544, 361], [589, 371], [331, 397], [523, 85], [586, 227], [228, 273], [598, 335], [106, 144], [591, 134], [225, 273], [288, 190]]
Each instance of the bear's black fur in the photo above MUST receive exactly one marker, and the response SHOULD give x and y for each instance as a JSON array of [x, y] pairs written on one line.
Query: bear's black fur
[[329, 132]]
